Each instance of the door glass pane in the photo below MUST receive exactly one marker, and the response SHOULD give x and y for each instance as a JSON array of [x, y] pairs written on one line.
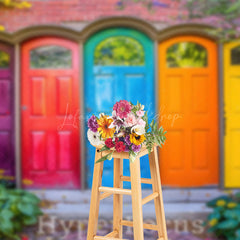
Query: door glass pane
[[51, 57], [119, 51], [186, 55], [4, 60], [235, 56]]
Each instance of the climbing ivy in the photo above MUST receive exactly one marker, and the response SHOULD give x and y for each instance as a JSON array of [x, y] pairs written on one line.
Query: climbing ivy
[[224, 13]]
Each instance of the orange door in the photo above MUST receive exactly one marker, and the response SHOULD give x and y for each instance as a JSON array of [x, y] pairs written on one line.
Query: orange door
[[50, 107], [188, 106]]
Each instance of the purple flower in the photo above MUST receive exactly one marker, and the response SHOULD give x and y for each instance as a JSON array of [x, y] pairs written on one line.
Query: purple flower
[[126, 148], [119, 3], [127, 140], [159, 4], [136, 148], [92, 123]]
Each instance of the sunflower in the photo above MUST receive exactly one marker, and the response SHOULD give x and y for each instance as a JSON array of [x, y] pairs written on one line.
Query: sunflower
[[103, 128], [137, 139]]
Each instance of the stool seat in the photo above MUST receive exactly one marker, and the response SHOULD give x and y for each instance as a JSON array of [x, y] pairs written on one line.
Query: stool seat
[[100, 192]]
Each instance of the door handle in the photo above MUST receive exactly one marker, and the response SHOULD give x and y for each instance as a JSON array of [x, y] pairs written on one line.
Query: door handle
[[24, 107]]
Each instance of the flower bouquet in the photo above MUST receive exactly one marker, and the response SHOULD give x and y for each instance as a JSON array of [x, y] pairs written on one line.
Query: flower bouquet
[[127, 130]]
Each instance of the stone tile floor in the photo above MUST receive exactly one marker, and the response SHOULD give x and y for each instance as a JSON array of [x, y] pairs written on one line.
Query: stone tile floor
[[66, 215], [54, 228]]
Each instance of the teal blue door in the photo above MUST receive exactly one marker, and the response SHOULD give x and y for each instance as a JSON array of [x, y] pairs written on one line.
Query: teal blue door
[[118, 64]]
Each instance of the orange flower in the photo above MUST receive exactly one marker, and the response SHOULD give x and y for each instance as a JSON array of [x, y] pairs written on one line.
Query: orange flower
[[103, 128]]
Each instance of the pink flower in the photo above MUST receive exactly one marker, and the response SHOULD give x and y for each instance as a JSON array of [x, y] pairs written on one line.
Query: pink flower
[[141, 122], [140, 113], [122, 108], [130, 120]]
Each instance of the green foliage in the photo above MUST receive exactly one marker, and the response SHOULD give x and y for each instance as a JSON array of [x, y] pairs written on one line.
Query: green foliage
[[7, 183], [105, 157], [119, 51], [186, 54], [224, 221], [225, 12], [18, 208], [153, 134], [52, 56], [4, 59]]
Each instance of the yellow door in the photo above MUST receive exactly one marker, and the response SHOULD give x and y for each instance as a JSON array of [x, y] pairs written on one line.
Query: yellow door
[[232, 113]]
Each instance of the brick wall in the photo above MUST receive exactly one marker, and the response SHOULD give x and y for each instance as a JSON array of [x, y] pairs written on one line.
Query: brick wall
[[66, 11]]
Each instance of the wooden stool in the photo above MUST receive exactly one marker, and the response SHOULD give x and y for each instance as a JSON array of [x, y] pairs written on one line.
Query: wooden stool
[[99, 193]]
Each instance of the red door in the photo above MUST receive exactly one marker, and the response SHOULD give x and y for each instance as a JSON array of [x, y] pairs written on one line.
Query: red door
[[50, 114]]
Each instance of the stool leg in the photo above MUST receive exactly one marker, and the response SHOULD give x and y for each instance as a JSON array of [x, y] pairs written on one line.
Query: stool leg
[[117, 198], [95, 198], [156, 185], [136, 199]]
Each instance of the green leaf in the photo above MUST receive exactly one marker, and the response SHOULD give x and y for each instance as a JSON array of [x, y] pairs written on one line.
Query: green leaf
[[6, 225], [238, 233], [213, 202], [237, 195], [30, 220], [3, 193], [104, 148], [26, 208], [235, 6], [106, 157], [214, 215], [7, 214], [232, 214], [132, 156], [228, 224]]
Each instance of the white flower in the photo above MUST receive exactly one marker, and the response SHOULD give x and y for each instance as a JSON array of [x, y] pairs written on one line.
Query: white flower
[[101, 115], [138, 129], [94, 138], [114, 114]]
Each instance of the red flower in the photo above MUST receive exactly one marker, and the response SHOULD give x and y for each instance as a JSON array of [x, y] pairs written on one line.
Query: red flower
[[120, 147], [109, 143], [24, 238]]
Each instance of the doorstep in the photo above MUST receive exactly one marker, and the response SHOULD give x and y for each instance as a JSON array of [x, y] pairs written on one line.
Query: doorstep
[[190, 203]]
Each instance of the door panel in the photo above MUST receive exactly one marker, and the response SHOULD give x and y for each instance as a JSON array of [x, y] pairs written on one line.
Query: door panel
[[7, 137], [50, 114], [188, 103], [111, 76], [232, 113]]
